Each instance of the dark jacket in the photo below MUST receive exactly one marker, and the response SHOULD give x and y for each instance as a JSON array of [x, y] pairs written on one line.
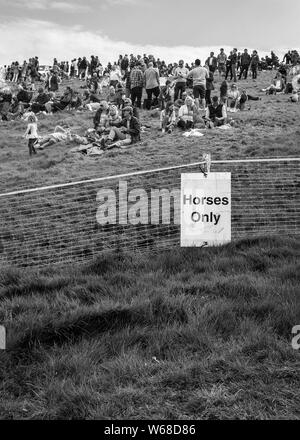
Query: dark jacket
[[245, 59], [134, 128]]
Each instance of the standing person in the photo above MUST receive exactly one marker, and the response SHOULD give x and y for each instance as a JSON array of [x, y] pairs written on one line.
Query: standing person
[[31, 134], [136, 85], [124, 64], [212, 62], [221, 60], [151, 80], [245, 63], [199, 76], [53, 82], [234, 62], [180, 75], [254, 64], [228, 65], [287, 58]]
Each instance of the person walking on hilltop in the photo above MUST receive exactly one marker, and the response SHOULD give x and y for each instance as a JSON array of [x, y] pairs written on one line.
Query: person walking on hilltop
[[221, 60], [151, 80]]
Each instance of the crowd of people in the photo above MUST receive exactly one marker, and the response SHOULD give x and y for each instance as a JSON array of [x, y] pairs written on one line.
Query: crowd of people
[[181, 92]]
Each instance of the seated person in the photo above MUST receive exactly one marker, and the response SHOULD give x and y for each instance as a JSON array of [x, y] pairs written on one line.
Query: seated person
[[38, 103], [233, 96], [5, 103], [186, 114], [120, 92], [127, 132], [294, 97], [17, 108], [128, 103], [112, 97], [76, 101], [168, 118], [224, 92], [24, 96], [245, 97], [59, 105], [215, 114], [166, 94], [101, 117], [276, 87]]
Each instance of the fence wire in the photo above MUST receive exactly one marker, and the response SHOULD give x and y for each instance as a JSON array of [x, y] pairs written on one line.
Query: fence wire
[[58, 224]]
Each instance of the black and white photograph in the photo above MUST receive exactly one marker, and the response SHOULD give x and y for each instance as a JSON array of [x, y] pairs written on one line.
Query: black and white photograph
[[149, 213]]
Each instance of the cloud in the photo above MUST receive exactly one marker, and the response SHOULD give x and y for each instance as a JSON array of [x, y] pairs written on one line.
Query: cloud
[[25, 38], [44, 5]]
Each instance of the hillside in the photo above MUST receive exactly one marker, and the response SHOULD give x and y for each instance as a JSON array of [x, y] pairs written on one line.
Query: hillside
[[269, 129]]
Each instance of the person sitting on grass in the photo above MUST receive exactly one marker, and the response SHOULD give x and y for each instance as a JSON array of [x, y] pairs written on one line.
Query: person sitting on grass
[[113, 116], [127, 132], [168, 118], [59, 105], [165, 95], [294, 97], [233, 98], [276, 87], [224, 92], [38, 103], [5, 103], [128, 103], [186, 114], [101, 117], [216, 115], [246, 97], [112, 97]]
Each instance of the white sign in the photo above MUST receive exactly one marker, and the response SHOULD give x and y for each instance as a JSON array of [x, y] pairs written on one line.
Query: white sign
[[205, 209]]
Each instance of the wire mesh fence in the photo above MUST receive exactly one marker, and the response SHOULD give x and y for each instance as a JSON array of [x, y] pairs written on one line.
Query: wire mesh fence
[[60, 224]]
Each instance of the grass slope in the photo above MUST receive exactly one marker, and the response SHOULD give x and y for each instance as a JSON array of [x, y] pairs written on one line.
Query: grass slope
[[187, 334], [269, 129]]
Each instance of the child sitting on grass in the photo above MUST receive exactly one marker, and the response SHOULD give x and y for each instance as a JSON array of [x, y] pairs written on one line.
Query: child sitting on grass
[[168, 118], [31, 133]]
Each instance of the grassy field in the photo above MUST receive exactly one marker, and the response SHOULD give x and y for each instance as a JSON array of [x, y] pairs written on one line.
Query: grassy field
[[189, 334], [270, 128], [179, 334]]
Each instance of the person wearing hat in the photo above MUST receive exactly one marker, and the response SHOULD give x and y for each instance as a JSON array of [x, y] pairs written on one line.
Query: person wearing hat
[[215, 114], [126, 133], [233, 97], [128, 103]]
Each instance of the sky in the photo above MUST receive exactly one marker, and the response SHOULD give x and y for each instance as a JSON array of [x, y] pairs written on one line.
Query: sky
[[168, 29]]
